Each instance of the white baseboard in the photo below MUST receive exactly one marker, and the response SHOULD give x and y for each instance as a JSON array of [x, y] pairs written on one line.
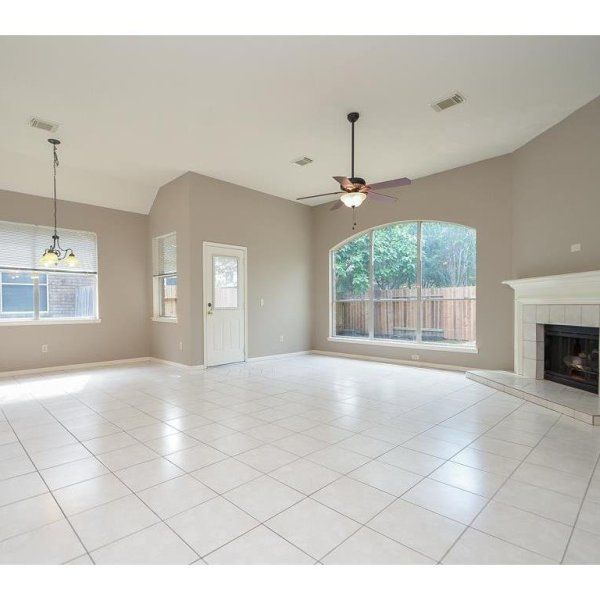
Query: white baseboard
[[393, 361], [176, 364], [73, 367], [108, 363], [276, 356]]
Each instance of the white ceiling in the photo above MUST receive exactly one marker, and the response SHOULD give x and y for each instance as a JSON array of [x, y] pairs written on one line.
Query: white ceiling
[[135, 112]]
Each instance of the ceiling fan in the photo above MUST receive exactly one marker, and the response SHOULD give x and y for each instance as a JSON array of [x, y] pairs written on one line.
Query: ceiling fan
[[355, 189]]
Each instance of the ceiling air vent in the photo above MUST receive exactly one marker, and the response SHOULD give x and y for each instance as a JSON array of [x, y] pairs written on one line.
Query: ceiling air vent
[[43, 124], [302, 162], [448, 102]]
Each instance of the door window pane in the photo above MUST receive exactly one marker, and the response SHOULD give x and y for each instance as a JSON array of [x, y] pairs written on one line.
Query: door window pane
[[448, 258], [351, 272], [225, 282]]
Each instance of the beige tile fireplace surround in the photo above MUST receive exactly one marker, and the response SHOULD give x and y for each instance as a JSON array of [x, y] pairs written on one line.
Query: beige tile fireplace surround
[[569, 299]]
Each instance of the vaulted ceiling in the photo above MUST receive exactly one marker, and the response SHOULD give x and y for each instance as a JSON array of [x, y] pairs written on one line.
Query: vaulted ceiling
[[135, 112]]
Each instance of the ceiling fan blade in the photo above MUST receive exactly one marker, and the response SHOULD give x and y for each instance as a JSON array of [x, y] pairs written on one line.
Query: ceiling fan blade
[[390, 184], [337, 205], [383, 198], [344, 182], [318, 195]]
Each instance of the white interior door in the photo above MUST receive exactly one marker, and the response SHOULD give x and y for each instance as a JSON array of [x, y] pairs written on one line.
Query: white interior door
[[224, 304]]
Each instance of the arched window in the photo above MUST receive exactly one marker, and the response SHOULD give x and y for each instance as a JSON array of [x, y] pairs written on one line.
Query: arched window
[[411, 282]]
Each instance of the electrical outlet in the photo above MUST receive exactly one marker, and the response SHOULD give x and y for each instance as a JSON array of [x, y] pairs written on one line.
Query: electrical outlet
[[44, 348], [415, 357], [181, 346], [575, 247], [262, 302], [281, 338]]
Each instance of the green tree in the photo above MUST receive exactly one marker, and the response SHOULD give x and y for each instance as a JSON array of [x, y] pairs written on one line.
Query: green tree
[[351, 265], [448, 254], [395, 256]]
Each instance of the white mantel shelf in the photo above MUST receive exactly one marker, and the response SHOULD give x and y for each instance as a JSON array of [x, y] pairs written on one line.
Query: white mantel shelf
[[568, 288]]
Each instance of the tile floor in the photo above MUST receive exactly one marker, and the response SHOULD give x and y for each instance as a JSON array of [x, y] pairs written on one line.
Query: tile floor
[[303, 460]]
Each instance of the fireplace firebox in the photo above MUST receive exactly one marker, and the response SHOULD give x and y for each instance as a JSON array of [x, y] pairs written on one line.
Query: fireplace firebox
[[571, 356]]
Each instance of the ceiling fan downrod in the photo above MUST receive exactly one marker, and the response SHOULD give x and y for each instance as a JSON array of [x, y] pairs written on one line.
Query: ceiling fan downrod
[[353, 117]]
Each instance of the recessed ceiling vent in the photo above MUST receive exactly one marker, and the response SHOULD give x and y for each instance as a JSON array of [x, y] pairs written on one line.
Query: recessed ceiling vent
[[303, 161], [453, 100], [43, 124]]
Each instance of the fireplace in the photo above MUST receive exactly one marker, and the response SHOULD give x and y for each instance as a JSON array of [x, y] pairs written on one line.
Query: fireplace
[[571, 356]]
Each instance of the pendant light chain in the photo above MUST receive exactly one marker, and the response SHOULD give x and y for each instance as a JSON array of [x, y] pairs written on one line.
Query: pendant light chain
[[55, 164], [55, 254]]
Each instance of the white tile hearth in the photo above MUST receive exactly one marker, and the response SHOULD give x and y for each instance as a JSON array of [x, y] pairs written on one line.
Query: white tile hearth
[[303, 460], [578, 404]]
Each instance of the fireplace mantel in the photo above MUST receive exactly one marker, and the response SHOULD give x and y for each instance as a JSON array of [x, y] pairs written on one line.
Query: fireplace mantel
[[568, 288], [568, 299]]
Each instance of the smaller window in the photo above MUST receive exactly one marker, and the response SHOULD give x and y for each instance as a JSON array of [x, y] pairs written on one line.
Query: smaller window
[[164, 250]]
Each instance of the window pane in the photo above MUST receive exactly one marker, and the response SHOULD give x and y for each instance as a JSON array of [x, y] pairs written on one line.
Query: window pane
[[448, 258], [351, 271], [225, 281], [43, 298], [17, 299], [168, 296], [69, 296], [394, 281]]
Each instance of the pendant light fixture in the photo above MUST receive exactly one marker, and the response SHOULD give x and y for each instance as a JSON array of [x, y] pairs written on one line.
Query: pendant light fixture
[[54, 254]]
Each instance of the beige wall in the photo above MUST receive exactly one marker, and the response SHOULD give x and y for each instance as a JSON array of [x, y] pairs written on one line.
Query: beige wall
[[277, 235], [528, 208], [171, 213], [477, 195], [556, 197], [123, 332]]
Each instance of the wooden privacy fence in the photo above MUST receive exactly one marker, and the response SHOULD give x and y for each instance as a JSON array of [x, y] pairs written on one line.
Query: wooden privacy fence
[[447, 314], [170, 301]]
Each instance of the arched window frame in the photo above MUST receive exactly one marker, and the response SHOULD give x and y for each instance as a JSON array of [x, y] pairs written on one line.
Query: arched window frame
[[467, 347]]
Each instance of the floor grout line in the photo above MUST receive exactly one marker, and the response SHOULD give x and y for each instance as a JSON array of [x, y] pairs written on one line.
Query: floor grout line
[[330, 406], [53, 497], [583, 499], [494, 495]]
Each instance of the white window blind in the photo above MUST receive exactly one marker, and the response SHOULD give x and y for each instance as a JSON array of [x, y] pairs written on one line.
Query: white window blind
[[165, 254], [22, 245]]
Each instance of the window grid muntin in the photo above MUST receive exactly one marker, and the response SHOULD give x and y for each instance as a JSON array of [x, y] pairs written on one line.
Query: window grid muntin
[[164, 266], [36, 313], [371, 300]]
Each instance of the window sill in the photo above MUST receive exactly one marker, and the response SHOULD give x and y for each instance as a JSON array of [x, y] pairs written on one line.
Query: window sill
[[164, 320], [18, 322], [405, 344]]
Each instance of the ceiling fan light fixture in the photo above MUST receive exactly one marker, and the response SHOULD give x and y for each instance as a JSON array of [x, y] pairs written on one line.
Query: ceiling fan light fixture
[[353, 199]]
